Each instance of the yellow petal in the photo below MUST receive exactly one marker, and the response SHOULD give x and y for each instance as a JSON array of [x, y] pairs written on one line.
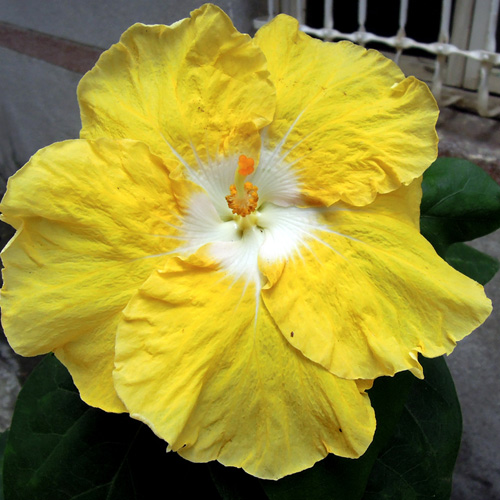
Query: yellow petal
[[90, 215], [198, 85], [369, 293], [192, 362], [352, 125]]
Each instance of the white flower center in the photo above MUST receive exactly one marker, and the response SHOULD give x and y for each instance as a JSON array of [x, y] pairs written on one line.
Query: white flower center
[[273, 229]]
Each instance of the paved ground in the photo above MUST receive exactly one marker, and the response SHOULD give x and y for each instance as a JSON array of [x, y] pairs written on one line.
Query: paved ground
[[476, 370]]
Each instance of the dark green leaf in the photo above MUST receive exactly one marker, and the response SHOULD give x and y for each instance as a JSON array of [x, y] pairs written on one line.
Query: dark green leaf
[[342, 478], [235, 484], [61, 449], [418, 461], [460, 202], [471, 262], [3, 441]]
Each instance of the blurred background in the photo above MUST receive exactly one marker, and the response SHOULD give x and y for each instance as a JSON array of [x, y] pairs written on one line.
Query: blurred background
[[46, 47]]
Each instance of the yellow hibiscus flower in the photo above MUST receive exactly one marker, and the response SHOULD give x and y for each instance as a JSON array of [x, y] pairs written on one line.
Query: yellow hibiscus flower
[[231, 251]]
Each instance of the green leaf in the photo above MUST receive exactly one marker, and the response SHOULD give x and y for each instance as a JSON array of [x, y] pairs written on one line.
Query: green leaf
[[235, 484], [471, 262], [61, 449], [418, 461], [342, 478], [3, 442], [460, 202]]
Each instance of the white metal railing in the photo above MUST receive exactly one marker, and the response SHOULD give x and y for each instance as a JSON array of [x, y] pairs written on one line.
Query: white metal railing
[[476, 63]]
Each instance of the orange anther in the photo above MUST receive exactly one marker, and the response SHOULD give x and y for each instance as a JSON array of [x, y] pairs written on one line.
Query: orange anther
[[243, 205], [245, 165]]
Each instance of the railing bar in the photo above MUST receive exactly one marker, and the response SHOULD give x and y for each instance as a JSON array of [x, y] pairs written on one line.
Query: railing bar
[[442, 48], [362, 15], [361, 22], [492, 27], [328, 17], [403, 14], [408, 43], [444, 30], [300, 11], [270, 9], [441, 59], [483, 91], [401, 34]]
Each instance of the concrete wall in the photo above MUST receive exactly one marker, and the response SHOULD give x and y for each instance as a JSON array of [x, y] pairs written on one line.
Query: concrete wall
[[37, 99], [101, 22]]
